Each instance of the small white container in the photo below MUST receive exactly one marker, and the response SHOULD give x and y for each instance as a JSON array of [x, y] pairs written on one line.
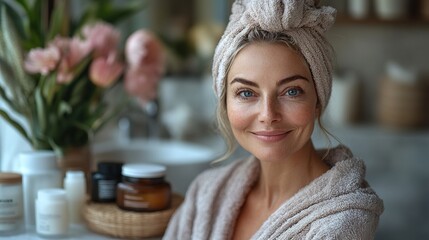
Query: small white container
[[75, 187], [359, 9], [344, 103], [39, 171], [391, 9], [10, 202], [52, 213]]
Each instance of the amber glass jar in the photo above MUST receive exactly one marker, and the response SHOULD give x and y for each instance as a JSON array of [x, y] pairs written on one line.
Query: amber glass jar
[[143, 188]]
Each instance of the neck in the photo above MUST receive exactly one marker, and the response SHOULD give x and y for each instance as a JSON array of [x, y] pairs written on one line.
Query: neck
[[279, 181]]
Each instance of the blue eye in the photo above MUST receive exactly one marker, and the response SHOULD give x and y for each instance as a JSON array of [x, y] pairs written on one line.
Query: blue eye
[[293, 92], [246, 94]]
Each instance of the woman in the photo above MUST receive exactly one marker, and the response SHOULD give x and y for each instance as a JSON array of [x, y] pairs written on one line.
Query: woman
[[272, 71]]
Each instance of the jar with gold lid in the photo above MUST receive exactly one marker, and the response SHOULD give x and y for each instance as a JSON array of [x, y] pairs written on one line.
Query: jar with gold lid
[[143, 188]]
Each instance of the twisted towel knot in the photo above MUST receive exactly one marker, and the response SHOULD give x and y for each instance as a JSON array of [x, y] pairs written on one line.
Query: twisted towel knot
[[284, 15]]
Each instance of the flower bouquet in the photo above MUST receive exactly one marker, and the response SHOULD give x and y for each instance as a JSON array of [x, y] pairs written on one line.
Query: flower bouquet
[[56, 75]]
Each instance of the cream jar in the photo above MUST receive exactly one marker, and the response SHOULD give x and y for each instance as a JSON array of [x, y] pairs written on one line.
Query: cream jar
[[10, 202], [52, 213], [143, 188]]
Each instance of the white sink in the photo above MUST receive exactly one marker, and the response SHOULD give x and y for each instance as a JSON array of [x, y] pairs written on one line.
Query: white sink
[[184, 161]]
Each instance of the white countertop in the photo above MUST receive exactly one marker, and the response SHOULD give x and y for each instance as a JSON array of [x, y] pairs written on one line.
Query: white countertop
[[78, 233]]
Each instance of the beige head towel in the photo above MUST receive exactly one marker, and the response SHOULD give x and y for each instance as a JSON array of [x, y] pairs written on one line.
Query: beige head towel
[[301, 20]]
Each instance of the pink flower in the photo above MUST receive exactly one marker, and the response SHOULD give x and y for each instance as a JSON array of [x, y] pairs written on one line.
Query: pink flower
[[42, 60], [73, 51], [145, 58], [104, 71], [102, 37], [142, 48]]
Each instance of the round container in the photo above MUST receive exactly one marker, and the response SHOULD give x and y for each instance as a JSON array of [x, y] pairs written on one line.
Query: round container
[[10, 202], [105, 180], [143, 188], [52, 213], [39, 171]]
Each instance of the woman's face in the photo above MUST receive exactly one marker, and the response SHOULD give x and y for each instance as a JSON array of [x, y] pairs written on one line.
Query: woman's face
[[271, 101]]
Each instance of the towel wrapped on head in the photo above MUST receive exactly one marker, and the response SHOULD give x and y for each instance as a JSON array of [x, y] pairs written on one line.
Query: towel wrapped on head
[[301, 20]]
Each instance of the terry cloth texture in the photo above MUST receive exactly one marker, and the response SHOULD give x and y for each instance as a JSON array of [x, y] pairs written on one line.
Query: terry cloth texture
[[337, 205], [301, 20]]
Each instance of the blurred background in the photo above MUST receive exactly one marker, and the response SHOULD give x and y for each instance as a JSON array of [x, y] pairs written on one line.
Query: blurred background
[[379, 105], [380, 100]]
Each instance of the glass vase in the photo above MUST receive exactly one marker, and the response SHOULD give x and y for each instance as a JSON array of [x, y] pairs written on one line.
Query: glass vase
[[77, 159]]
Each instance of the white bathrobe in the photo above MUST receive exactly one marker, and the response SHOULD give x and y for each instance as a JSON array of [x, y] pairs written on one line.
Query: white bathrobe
[[337, 205]]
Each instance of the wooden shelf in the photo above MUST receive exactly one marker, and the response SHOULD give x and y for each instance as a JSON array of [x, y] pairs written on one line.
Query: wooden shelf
[[374, 21]]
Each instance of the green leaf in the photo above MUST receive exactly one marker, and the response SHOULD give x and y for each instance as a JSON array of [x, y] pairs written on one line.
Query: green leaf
[[57, 20], [15, 17], [64, 108], [13, 52], [9, 102], [14, 124], [40, 110], [49, 87], [107, 117], [6, 73], [107, 11], [114, 14], [34, 24]]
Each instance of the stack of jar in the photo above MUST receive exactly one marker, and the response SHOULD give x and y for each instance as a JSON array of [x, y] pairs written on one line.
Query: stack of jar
[[134, 187], [59, 208], [35, 196]]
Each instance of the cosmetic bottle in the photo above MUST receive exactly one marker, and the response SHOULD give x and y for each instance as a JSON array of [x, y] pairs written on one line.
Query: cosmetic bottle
[[105, 180], [75, 187], [39, 171]]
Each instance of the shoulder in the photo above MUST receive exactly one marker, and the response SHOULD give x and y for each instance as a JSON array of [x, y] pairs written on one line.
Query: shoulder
[[349, 224]]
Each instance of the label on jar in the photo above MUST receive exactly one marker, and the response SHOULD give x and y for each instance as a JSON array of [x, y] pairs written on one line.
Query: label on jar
[[133, 201], [10, 207], [107, 189], [51, 218]]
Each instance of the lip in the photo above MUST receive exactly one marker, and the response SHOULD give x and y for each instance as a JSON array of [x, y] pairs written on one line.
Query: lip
[[271, 136]]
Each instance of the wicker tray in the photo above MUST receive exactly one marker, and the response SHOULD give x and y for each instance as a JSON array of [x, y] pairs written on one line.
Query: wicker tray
[[108, 219]]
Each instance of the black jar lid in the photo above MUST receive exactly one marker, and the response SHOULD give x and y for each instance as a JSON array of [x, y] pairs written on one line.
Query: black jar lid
[[113, 169]]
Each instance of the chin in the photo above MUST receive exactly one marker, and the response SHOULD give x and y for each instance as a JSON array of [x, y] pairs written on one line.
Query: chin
[[267, 154], [279, 152]]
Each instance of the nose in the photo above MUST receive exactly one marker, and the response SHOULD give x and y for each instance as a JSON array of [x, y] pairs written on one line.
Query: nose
[[270, 110]]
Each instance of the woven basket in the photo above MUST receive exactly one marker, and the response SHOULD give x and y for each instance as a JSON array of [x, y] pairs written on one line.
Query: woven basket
[[108, 219], [400, 105]]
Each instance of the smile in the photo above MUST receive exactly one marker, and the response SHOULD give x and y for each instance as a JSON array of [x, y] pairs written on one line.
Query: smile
[[271, 136]]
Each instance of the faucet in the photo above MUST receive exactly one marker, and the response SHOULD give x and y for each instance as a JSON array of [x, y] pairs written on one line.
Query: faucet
[[141, 120]]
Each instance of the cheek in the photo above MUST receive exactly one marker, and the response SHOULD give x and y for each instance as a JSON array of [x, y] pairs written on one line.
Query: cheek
[[238, 115], [302, 115]]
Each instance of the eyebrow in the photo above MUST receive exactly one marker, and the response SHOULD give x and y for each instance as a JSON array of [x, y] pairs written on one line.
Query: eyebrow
[[281, 82]]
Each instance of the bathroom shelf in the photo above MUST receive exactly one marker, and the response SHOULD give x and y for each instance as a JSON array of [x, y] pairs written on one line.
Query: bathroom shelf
[[374, 21]]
